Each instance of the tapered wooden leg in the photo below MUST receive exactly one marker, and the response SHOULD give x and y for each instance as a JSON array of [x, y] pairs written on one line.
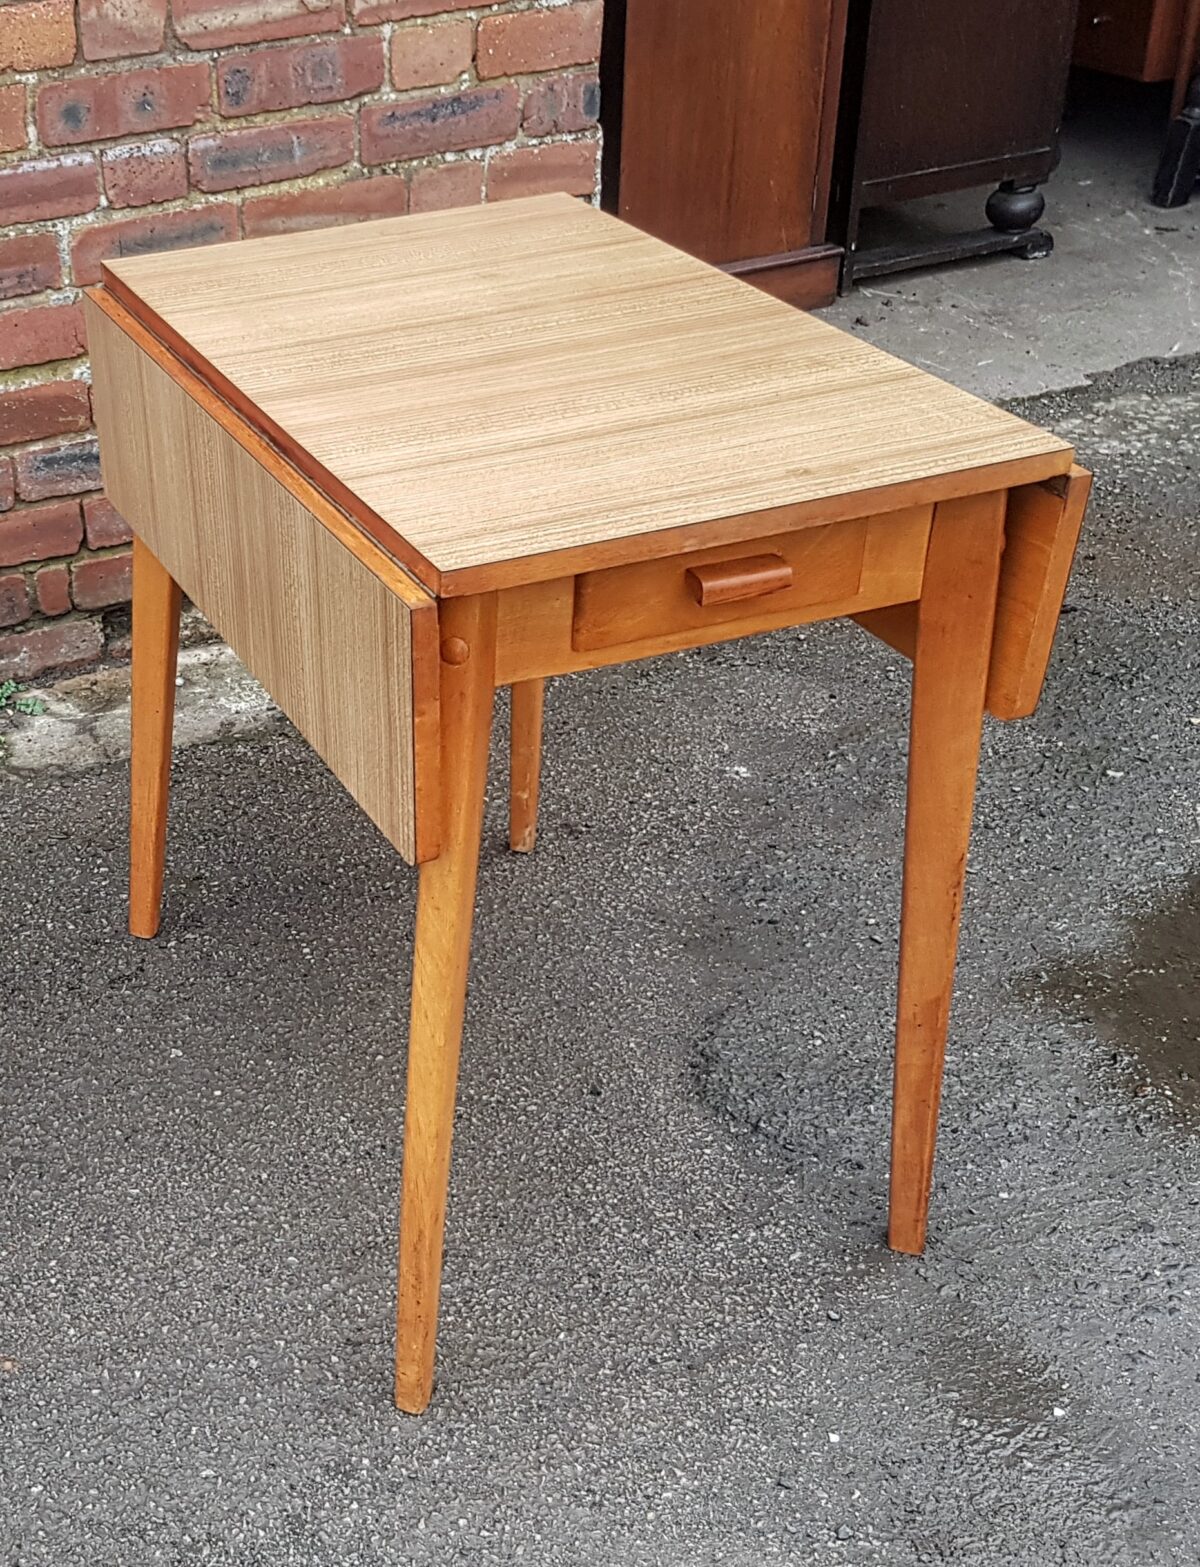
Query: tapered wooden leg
[[954, 639], [525, 768], [156, 604], [445, 908]]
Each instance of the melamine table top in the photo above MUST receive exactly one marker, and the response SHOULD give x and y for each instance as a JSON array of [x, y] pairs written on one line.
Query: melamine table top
[[496, 392]]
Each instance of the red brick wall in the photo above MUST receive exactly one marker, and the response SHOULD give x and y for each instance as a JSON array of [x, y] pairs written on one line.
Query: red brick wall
[[128, 125]]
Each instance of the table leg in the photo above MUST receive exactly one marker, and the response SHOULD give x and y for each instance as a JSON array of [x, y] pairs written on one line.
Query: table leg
[[445, 909], [528, 698], [156, 605], [954, 639]]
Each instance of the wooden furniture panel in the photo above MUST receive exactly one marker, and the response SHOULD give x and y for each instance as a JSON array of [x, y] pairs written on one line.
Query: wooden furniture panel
[[724, 140], [347, 648], [805, 278], [943, 94], [1041, 532], [1134, 38], [615, 389], [683, 593]]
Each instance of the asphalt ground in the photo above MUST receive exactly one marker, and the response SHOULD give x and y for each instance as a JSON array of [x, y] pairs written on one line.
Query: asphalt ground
[[671, 1332]]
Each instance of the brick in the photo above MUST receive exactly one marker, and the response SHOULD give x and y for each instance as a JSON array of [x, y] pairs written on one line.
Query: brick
[[29, 264], [36, 35], [447, 185], [34, 413], [121, 103], [355, 201], [405, 10], [66, 644], [223, 24], [431, 56], [45, 471], [49, 188], [103, 524], [522, 41], [98, 583], [14, 599], [116, 29], [267, 153], [144, 172], [453, 122], [8, 484], [300, 74], [52, 590], [546, 166], [14, 133], [40, 532], [39, 334], [204, 225], [560, 104]]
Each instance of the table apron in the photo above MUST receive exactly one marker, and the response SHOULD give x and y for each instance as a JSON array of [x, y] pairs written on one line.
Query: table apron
[[631, 612]]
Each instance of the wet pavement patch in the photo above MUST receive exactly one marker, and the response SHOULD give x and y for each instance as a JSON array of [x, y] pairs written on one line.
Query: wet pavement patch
[[1142, 997]]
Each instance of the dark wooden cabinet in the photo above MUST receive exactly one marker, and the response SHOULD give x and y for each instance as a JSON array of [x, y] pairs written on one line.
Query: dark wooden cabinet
[[755, 133], [719, 119], [941, 95]]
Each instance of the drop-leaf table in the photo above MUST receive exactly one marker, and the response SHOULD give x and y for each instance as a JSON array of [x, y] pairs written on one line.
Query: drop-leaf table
[[402, 463]]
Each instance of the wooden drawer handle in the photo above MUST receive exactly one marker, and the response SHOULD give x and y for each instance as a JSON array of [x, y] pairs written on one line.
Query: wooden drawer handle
[[726, 581]]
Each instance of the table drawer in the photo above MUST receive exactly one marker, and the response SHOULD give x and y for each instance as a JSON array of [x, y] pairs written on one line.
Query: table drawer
[[767, 580]]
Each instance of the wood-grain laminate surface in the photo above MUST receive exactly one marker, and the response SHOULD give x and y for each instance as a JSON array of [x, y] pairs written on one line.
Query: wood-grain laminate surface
[[345, 646], [505, 394]]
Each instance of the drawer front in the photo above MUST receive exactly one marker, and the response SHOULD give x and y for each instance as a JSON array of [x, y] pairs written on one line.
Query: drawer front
[[805, 574], [343, 641]]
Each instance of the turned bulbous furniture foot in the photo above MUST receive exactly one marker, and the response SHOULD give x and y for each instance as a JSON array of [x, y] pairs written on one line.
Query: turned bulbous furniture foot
[[1012, 209]]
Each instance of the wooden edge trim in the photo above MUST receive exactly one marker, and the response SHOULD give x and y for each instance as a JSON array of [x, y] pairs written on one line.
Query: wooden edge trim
[[847, 507], [302, 461], [427, 733], [811, 255], [422, 606]]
